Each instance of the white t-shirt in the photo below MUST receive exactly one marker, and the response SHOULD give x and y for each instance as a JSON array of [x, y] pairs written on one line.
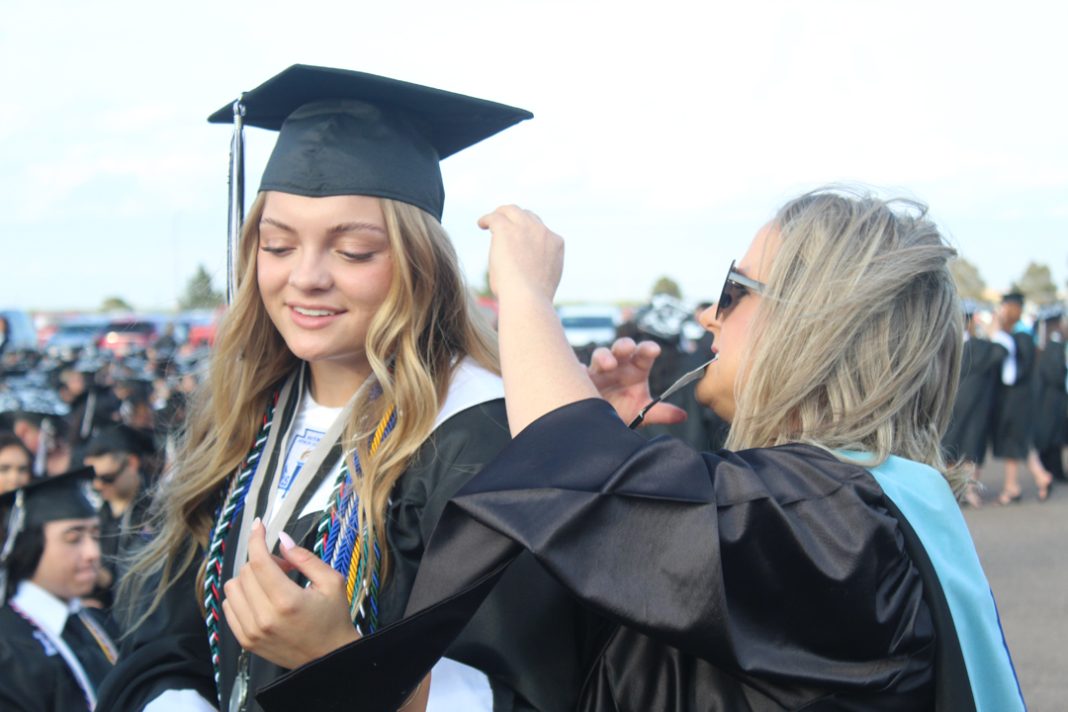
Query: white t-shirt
[[310, 424]]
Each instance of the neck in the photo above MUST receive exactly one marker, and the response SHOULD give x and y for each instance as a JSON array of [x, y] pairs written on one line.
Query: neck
[[119, 504], [332, 384]]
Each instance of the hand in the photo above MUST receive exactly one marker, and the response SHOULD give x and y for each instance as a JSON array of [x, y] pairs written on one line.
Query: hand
[[621, 375], [279, 620], [524, 254]]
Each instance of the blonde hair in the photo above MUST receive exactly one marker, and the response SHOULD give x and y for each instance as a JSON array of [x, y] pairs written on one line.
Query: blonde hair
[[857, 336], [426, 323]]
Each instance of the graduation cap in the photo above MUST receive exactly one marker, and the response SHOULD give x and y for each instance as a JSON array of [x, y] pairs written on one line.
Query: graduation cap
[[349, 133], [42, 500]]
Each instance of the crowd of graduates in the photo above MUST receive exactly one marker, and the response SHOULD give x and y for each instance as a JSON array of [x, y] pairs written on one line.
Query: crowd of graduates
[[1012, 402]]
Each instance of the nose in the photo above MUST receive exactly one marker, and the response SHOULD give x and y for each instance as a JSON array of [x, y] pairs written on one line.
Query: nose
[[310, 273], [91, 550], [707, 318]]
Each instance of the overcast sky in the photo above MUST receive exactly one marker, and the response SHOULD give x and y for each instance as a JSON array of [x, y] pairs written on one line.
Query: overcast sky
[[664, 134]]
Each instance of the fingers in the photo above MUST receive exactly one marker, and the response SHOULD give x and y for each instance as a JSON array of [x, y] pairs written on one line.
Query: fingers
[[602, 360], [645, 354], [238, 613], [321, 575], [507, 213], [268, 574], [664, 414]]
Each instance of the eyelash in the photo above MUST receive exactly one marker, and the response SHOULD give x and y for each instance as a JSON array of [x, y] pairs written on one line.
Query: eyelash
[[349, 256]]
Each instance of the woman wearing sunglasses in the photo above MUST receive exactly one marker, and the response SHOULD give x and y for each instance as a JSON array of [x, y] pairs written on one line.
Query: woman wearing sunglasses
[[820, 562]]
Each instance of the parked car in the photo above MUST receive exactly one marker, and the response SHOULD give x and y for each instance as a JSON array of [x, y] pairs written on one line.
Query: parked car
[[20, 333], [124, 336], [77, 333], [200, 326], [589, 324]]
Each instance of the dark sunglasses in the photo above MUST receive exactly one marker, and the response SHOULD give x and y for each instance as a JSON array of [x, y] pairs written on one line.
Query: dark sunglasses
[[734, 288], [109, 479]]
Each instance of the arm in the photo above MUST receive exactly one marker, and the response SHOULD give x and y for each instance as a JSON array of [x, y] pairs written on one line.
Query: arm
[[539, 367]]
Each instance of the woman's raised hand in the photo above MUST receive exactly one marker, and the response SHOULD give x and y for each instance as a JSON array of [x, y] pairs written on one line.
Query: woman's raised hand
[[621, 375], [279, 620], [526, 257]]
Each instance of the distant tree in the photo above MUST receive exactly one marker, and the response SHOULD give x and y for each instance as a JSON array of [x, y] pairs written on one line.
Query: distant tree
[[115, 304], [199, 293], [1037, 284], [666, 285], [970, 284]]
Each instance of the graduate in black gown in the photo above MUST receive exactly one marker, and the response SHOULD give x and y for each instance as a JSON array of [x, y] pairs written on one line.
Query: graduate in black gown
[[1014, 407], [822, 563], [54, 653], [1051, 381], [353, 389], [982, 362]]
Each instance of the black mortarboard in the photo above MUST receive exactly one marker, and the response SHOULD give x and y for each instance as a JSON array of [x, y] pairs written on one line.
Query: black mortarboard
[[349, 133], [43, 500]]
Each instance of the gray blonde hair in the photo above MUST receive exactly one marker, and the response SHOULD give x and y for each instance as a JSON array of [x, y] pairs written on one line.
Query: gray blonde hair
[[858, 334]]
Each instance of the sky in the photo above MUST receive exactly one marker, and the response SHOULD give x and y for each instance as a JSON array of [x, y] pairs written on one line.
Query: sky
[[665, 134]]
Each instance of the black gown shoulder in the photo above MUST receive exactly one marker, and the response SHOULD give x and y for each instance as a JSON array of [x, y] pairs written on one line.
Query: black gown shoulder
[[33, 676], [767, 579]]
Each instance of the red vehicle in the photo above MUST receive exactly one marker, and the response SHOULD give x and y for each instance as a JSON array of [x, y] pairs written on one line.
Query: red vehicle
[[124, 336]]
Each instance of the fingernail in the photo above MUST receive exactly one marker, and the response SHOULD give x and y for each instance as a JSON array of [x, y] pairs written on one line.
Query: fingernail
[[256, 521], [286, 541]]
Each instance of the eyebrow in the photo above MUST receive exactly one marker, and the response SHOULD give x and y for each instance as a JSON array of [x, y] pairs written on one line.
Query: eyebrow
[[339, 229], [79, 528]]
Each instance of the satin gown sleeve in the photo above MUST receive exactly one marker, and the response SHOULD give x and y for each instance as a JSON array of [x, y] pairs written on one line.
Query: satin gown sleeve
[[773, 576]]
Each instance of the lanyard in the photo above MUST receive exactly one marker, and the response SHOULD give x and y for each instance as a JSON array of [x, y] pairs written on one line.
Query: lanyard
[[310, 474]]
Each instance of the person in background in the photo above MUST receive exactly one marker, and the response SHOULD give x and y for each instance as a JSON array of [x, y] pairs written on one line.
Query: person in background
[[1051, 407], [116, 455], [16, 462], [1014, 409], [54, 653], [968, 435]]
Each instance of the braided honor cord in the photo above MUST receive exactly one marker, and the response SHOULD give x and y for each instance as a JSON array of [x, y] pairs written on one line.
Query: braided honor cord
[[340, 540], [224, 519]]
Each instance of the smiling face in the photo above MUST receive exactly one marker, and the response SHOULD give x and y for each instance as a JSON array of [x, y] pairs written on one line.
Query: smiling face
[[71, 559], [732, 330], [324, 267]]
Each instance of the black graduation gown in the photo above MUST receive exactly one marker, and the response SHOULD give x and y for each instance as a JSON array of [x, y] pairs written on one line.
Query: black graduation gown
[[1051, 406], [969, 427], [767, 579], [170, 650], [35, 678], [1014, 410]]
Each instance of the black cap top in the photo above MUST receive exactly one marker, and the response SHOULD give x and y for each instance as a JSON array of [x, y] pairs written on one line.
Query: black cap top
[[47, 499], [351, 133]]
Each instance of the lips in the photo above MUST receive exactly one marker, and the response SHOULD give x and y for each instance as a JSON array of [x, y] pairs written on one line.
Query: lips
[[315, 311], [307, 316]]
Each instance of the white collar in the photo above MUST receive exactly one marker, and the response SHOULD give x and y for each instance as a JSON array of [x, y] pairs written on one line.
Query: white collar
[[47, 610], [470, 385]]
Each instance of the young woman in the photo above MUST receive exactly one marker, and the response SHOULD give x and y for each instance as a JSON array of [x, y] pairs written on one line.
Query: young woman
[[821, 562], [352, 390]]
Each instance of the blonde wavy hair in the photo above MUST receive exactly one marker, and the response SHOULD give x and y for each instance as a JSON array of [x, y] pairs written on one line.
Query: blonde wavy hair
[[426, 323], [858, 334]]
